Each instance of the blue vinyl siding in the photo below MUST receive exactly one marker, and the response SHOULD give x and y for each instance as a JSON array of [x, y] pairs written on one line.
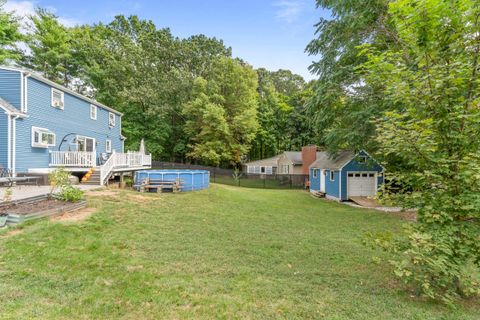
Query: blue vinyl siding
[[353, 165], [315, 181], [10, 87], [3, 139], [332, 188], [74, 118]]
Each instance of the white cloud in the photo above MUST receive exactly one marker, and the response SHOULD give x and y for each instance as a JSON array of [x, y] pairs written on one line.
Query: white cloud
[[289, 10], [25, 9]]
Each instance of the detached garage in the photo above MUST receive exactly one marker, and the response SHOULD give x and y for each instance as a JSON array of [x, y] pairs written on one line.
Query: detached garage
[[346, 175]]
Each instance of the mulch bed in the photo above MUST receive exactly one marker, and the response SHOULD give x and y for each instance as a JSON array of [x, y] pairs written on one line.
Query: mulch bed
[[27, 208]]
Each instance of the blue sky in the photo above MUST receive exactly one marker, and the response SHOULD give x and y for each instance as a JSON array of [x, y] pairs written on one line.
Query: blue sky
[[266, 33]]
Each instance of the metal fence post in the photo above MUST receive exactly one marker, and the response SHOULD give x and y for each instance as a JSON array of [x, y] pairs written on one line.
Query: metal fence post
[[291, 182]]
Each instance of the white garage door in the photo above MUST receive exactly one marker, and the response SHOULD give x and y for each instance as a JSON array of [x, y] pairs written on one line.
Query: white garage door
[[361, 184]]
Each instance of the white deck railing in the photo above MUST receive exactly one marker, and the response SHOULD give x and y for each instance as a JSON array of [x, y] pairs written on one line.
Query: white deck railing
[[116, 161], [124, 160], [75, 159]]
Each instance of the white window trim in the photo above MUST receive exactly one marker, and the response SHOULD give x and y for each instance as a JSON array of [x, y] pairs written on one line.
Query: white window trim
[[85, 137], [111, 119], [41, 131], [62, 94], [93, 107], [108, 146], [332, 175], [315, 173]]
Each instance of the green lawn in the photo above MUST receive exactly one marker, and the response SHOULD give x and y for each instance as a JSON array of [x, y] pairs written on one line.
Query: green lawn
[[225, 252]]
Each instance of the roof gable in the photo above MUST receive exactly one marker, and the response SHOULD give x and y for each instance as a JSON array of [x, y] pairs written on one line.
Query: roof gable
[[9, 108]]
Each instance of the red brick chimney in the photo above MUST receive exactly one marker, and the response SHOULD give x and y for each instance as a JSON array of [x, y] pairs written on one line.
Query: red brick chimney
[[309, 155]]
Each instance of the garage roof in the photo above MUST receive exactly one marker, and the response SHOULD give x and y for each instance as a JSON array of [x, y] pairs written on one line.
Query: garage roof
[[326, 161]]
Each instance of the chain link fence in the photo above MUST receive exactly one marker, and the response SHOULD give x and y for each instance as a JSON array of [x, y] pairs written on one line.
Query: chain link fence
[[229, 177]]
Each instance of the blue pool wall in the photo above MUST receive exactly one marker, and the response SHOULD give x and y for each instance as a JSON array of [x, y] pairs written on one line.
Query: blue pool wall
[[191, 179]]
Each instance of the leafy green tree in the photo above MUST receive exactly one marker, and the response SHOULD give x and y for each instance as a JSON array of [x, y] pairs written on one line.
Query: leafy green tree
[[343, 105], [49, 43], [221, 117], [9, 36], [432, 79]]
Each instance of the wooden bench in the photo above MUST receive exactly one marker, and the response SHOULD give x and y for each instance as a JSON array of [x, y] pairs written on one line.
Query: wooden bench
[[159, 185]]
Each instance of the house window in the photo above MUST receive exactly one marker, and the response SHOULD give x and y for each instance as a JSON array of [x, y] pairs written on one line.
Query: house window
[[315, 173], [42, 138], [111, 119], [285, 168], [332, 175], [263, 169], [108, 146], [93, 112], [57, 99]]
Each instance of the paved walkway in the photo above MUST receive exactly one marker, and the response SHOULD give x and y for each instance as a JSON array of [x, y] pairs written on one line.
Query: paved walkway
[[22, 192]]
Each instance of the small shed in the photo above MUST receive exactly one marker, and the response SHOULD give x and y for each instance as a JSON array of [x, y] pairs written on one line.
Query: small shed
[[346, 175]]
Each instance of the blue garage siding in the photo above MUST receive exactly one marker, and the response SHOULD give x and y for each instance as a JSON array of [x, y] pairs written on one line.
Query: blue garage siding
[[315, 181], [353, 165], [332, 188], [75, 118], [10, 87], [3, 139]]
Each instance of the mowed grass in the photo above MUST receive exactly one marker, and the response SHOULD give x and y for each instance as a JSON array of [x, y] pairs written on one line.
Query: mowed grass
[[226, 252]]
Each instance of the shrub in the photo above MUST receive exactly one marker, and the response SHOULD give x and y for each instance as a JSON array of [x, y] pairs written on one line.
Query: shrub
[[70, 193], [58, 178]]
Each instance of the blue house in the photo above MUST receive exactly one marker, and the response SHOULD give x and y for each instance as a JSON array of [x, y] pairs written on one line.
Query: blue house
[[44, 125], [347, 175]]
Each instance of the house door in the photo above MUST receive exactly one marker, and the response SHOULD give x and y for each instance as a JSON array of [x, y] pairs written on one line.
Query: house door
[[322, 181], [85, 144], [361, 184]]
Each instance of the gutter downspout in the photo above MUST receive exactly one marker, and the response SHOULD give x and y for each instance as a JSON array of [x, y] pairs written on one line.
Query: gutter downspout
[[9, 142]]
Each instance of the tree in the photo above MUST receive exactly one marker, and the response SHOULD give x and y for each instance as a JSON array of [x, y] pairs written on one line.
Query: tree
[[432, 79], [49, 43], [343, 105], [222, 115], [9, 36]]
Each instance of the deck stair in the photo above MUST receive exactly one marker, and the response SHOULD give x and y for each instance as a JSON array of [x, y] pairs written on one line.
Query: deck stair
[[92, 177], [318, 194]]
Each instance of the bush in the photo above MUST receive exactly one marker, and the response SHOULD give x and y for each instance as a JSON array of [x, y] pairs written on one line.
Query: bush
[[58, 178], [129, 182], [70, 193]]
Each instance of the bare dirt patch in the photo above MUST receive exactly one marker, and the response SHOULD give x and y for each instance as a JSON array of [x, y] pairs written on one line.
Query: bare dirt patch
[[75, 216], [104, 193], [140, 198]]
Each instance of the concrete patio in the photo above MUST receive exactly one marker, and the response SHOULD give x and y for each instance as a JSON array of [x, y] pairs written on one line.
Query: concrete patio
[[22, 192]]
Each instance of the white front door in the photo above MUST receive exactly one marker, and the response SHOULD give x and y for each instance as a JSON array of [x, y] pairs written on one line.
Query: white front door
[[361, 184], [322, 180]]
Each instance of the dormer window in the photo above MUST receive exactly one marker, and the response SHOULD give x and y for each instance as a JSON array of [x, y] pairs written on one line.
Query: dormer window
[[57, 99], [111, 119], [93, 112]]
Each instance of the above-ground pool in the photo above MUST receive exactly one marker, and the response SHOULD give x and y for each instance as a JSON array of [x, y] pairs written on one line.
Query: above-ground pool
[[189, 179]]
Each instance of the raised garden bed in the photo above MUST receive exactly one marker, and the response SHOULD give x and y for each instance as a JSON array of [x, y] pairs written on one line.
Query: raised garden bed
[[37, 207]]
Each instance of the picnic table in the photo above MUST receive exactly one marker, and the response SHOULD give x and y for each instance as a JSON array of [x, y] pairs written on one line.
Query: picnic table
[[159, 185]]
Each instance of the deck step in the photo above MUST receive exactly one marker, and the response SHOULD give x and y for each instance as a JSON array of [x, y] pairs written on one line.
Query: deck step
[[318, 194]]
